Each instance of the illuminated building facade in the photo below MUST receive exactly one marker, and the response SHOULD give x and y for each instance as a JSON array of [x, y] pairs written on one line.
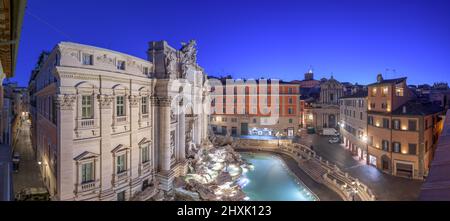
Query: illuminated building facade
[[401, 129]]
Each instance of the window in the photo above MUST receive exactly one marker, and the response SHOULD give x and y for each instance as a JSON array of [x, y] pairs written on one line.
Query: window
[[371, 140], [121, 65], [372, 105], [254, 120], [412, 125], [289, 90], [370, 120], [120, 106], [224, 130], [86, 107], [145, 70], [290, 111], [384, 91], [87, 172], [399, 91], [290, 100], [396, 124], [121, 196], [397, 147], [145, 153], [412, 148], [373, 92], [144, 105], [88, 59], [290, 121], [385, 145], [385, 123], [331, 97], [360, 115], [120, 164]]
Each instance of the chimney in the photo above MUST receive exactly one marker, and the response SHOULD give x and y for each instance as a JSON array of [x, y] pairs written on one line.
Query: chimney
[[379, 78], [404, 109]]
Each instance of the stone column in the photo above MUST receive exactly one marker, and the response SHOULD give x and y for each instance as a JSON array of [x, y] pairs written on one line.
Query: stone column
[[134, 146], [165, 174], [106, 171], [66, 120]]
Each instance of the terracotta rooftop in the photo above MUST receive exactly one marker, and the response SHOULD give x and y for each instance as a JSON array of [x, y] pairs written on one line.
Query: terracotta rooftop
[[389, 81]]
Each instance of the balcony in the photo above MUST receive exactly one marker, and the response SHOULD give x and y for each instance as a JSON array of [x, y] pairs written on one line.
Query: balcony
[[121, 119], [86, 123], [87, 187]]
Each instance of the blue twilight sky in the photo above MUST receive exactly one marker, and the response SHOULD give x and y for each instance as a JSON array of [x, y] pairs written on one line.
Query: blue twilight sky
[[353, 39]]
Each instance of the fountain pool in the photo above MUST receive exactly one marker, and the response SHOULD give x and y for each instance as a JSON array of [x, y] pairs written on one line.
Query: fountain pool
[[272, 180]]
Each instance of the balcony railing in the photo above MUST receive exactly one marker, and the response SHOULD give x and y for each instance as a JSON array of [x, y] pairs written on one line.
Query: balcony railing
[[86, 123], [121, 119], [88, 186], [145, 116]]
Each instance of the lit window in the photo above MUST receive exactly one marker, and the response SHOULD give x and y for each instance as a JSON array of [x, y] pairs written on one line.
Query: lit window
[[385, 91], [374, 92], [399, 92]]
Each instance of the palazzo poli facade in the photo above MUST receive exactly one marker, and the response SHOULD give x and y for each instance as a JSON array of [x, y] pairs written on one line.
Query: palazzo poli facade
[[108, 124]]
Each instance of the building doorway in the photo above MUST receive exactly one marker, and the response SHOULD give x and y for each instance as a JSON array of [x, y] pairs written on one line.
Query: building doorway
[[384, 163], [404, 170], [244, 128], [331, 121]]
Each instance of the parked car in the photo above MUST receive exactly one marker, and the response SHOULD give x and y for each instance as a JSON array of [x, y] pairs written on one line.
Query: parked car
[[33, 194], [334, 140]]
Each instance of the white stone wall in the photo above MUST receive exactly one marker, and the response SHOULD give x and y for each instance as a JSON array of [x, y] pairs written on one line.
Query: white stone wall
[[100, 139]]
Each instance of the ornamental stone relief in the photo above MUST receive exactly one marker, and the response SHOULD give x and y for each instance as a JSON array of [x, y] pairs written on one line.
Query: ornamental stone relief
[[105, 59], [134, 100], [172, 144], [105, 101], [65, 101]]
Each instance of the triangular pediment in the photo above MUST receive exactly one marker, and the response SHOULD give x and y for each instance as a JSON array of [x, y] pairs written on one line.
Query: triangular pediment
[[86, 155], [144, 141], [119, 148]]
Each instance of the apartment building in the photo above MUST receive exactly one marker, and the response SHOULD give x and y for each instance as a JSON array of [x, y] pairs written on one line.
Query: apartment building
[[402, 130], [353, 123], [264, 107]]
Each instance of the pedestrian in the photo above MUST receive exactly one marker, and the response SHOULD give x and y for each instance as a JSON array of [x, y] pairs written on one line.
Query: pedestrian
[[311, 147]]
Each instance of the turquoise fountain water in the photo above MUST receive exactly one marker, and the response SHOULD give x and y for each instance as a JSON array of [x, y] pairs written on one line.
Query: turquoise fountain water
[[271, 180]]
